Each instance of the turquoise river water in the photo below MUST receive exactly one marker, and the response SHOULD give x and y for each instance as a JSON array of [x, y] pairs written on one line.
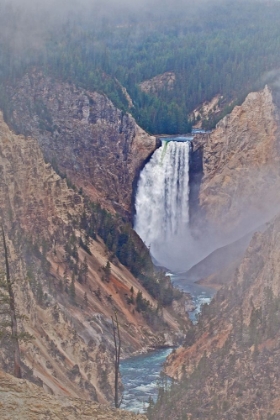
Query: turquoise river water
[[141, 374]]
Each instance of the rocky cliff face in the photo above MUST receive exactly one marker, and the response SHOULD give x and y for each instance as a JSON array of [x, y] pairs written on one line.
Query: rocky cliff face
[[23, 400], [32, 195], [160, 82], [229, 365], [229, 369], [99, 148], [241, 167], [206, 111], [61, 284]]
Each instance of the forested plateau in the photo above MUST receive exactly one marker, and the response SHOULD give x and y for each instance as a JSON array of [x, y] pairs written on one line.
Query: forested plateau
[[216, 48]]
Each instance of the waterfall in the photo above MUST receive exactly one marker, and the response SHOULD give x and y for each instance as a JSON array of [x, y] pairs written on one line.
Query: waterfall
[[162, 204]]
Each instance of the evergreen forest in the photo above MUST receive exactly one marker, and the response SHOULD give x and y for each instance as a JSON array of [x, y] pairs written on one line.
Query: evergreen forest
[[223, 47]]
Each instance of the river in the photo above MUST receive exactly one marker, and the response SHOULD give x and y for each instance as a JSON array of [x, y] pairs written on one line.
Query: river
[[141, 374], [140, 377], [201, 295]]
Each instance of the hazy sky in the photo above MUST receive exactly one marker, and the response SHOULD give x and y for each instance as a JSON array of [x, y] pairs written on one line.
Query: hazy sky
[[108, 6], [31, 19], [26, 24]]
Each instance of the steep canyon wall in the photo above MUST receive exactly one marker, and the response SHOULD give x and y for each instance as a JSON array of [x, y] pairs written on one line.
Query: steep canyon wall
[[241, 167], [100, 148], [229, 365], [72, 350]]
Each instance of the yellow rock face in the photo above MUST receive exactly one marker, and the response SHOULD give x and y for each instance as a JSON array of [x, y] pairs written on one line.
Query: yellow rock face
[[97, 146], [22, 400], [240, 188], [72, 351]]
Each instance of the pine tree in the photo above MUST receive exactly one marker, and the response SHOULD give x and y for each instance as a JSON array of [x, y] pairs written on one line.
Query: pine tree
[[9, 300], [117, 345], [85, 300], [107, 271], [72, 291], [83, 272]]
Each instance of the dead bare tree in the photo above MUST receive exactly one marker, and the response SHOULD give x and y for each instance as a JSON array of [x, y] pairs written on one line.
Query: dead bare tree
[[12, 311], [117, 344]]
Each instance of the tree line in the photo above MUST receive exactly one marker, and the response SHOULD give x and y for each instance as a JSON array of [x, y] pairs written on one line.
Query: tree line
[[228, 48]]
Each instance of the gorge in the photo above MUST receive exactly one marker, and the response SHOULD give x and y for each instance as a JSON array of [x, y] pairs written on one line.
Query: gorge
[[209, 234], [82, 333], [61, 243], [249, 211], [223, 365], [140, 200]]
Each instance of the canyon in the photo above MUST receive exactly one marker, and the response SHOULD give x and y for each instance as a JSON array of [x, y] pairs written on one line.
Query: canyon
[[63, 289], [103, 213], [71, 166], [228, 366], [98, 147]]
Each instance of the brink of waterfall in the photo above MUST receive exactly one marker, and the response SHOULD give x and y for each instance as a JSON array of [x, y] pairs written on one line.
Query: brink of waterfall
[[162, 204]]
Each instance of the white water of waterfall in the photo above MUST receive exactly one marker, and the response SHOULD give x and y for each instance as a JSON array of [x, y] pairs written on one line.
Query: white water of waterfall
[[162, 204]]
